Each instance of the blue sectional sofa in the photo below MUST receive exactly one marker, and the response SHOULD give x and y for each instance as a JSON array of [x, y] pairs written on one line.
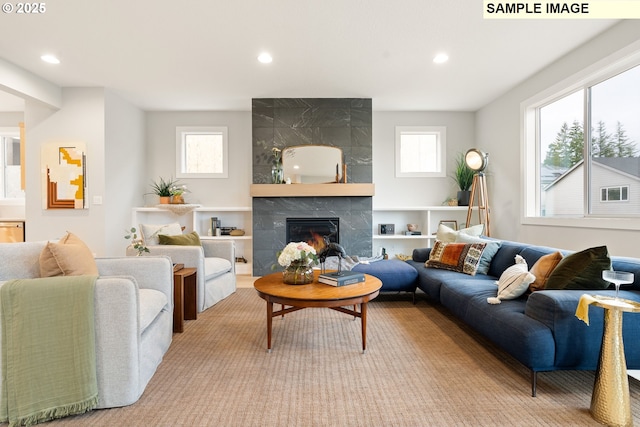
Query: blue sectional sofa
[[538, 329]]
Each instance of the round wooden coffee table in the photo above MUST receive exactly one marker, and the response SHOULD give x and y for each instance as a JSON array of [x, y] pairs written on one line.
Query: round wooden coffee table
[[296, 297]]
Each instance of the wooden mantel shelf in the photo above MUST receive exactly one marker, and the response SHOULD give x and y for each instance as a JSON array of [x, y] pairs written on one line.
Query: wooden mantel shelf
[[312, 190]]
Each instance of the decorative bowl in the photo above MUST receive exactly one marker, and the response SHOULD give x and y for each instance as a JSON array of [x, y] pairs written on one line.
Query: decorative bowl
[[412, 227]]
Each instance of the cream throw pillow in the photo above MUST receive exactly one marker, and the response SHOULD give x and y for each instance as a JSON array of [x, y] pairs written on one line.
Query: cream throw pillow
[[448, 234], [513, 282], [69, 257], [150, 232]]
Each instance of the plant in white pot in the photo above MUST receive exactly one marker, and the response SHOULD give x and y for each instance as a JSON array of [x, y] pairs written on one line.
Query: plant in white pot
[[463, 176]]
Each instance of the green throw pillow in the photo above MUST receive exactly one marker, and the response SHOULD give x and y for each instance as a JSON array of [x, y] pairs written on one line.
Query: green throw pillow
[[581, 270], [191, 239]]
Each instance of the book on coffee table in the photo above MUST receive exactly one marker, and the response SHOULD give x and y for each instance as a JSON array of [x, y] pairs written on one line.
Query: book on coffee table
[[341, 279]]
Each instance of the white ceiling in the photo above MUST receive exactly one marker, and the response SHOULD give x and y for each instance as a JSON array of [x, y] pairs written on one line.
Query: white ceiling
[[201, 54]]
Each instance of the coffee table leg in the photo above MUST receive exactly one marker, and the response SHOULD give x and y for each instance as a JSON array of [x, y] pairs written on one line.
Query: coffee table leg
[[363, 318], [269, 321]]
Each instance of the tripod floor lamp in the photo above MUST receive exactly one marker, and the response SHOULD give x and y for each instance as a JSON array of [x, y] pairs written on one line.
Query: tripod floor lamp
[[477, 161]]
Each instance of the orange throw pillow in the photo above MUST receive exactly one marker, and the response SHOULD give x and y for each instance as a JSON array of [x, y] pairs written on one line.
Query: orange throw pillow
[[542, 269]]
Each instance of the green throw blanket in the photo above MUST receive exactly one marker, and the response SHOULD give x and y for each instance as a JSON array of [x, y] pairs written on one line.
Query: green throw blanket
[[48, 349]]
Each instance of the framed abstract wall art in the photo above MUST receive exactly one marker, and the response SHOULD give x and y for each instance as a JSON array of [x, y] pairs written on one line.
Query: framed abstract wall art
[[64, 176]]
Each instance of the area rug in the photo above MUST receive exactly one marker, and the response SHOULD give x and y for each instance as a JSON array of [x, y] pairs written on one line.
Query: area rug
[[422, 368]]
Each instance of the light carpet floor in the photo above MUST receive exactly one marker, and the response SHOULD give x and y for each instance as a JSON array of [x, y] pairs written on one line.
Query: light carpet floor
[[422, 368]]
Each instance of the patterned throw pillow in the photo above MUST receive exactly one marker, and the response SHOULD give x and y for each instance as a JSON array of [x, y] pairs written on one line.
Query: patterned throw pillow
[[460, 257]]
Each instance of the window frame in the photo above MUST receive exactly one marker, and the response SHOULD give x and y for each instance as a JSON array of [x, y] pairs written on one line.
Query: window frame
[[599, 71], [182, 131], [441, 140], [7, 132], [617, 187]]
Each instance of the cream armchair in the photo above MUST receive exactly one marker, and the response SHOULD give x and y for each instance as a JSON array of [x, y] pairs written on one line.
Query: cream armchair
[[133, 316], [215, 264]]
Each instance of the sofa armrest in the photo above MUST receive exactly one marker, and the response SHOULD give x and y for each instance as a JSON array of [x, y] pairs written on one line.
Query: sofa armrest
[[190, 256], [220, 249], [421, 254], [117, 326], [149, 272], [578, 344]]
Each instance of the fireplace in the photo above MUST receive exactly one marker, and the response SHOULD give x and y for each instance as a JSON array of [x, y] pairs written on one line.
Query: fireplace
[[313, 231]]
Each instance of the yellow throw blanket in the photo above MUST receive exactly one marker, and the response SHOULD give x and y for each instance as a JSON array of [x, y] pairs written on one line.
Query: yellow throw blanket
[[48, 349]]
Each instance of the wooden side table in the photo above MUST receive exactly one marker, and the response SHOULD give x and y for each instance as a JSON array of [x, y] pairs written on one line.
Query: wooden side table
[[184, 297]]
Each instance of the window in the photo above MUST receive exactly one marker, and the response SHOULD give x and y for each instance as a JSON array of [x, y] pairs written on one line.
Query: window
[[201, 152], [614, 194], [420, 151], [581, 142], [10, 161]]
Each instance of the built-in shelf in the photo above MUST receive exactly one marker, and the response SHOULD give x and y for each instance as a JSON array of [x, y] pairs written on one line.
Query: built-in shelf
[[312, 190]]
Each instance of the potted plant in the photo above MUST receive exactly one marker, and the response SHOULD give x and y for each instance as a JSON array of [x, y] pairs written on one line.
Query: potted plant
[[162, 189], [463, 176]]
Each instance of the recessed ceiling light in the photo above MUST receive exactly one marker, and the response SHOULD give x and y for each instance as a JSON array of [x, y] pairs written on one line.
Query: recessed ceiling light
[[265, 58], [50, 59], [441, 58]]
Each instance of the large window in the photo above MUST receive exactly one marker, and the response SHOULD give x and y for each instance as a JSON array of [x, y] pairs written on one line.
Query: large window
[[420, 151], [582, 148], [201, 152]]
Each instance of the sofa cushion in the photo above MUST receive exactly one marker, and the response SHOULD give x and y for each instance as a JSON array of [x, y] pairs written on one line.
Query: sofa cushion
[[214, 267], [503, 259], [543, 268], [489, 251], [151, 304], [69, 257], [190, 239], [513, 282], [581, 270], [448, 234], [460, 257], [395, 275], [150, 232]]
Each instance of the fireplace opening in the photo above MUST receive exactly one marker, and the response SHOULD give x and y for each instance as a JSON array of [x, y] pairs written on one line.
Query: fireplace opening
[[313, 230]]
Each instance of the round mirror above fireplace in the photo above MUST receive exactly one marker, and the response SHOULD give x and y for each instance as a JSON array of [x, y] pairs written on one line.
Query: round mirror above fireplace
[[312, 164]]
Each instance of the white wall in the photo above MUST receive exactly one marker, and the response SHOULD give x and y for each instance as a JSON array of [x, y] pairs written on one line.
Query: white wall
[[161, 157], [392, 191], [81, 118], [498, 132], [125, 169]]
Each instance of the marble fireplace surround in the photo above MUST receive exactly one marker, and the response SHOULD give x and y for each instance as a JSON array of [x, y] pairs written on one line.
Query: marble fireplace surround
[[283, 122]]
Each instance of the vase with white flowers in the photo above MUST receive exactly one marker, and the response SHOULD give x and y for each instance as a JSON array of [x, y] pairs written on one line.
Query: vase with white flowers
[[297, 259], [177, 193]]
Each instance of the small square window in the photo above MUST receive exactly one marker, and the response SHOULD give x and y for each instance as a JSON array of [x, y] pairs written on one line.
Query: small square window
[[201, 152], [614, 194], [420, 151]]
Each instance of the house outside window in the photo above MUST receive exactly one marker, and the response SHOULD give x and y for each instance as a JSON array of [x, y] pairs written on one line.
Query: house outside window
[[201, 152], [421, 151], [559, 182]]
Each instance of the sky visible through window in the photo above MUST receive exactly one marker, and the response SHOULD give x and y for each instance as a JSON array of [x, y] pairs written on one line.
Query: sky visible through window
[[615, 99]]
